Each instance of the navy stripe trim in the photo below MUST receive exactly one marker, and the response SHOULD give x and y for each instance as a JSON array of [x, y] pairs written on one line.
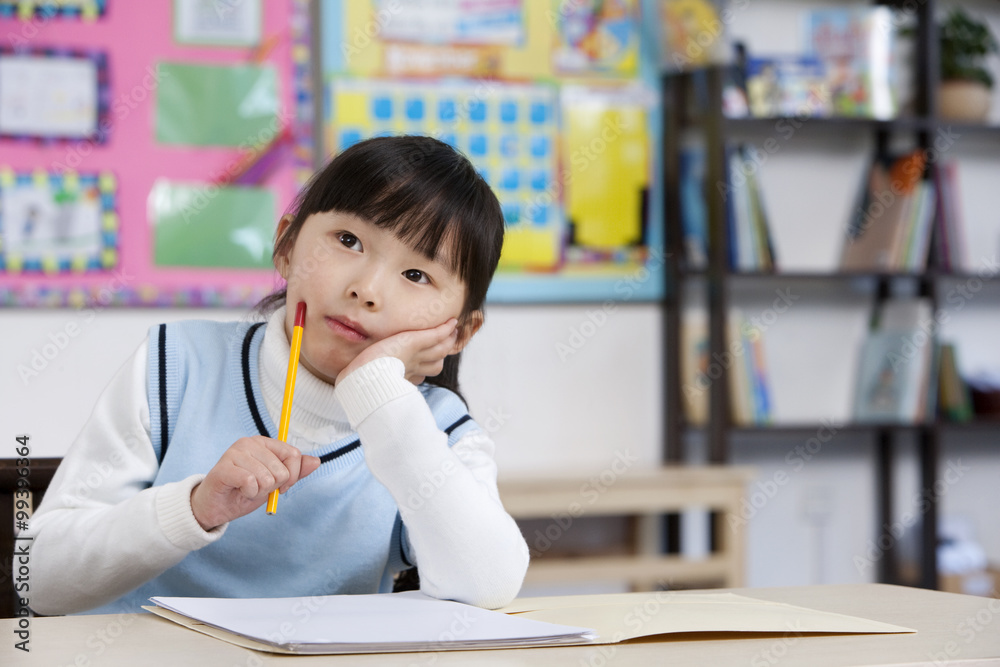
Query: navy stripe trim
[[248, 384], [351, 446], [458, 423], [337, 453], [162, 381]]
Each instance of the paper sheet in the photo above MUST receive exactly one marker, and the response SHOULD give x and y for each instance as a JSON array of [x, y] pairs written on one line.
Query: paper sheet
[[368, 623], [196, 225], [48, 96], [217, 105], [628, 616]]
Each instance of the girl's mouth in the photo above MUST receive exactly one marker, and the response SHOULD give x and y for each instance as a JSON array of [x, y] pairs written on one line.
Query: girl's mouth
[[347, 329]]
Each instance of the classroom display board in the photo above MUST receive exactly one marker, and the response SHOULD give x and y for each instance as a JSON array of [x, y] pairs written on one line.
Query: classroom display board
[[148, 149], [552, 101]]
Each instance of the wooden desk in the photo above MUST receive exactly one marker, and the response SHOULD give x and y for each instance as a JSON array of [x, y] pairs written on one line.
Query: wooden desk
[[950, 627], [646, 494]]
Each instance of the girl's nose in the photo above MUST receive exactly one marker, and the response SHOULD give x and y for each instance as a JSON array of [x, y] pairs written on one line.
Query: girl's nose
[[366, 301], [365, 289]]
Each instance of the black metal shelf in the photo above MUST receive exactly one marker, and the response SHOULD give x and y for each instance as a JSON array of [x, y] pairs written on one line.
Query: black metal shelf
[[692, 104], [834, 276], [980, 424]]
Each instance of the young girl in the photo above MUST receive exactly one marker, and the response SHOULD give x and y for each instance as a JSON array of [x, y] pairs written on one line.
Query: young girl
[[392, 248]]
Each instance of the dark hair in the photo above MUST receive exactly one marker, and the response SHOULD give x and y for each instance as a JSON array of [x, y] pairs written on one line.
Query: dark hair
[[427, 194]]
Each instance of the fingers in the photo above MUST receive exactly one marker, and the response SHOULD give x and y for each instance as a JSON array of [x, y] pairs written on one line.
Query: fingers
[[264, 464]]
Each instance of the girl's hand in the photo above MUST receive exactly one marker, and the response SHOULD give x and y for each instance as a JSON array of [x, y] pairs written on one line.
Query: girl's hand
[[247, 472], [422, 351]]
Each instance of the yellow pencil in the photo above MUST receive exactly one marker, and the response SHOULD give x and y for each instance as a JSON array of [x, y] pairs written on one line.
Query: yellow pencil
[[286, 404]]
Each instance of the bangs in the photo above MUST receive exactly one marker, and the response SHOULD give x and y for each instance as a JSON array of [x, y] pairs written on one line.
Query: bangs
[[422, 191]]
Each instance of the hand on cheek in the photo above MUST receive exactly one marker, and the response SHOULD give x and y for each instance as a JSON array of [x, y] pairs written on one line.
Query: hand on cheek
[[422, 351]]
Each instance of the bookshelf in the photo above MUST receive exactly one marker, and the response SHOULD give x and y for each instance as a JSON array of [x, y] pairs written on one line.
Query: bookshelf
[[692, 103]]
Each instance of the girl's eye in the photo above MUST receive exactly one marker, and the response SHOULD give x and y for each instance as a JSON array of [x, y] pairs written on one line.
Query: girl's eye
[[416, 275], [350, 240]]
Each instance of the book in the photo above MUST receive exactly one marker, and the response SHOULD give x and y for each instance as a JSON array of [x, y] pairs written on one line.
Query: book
[[894, 371], [856, 46], [694, 212], [949, 225], [380, 623], [750, 399], [749, 392], [880, 235], [695, 383], [787, 86], [954, 399], [750, 245]]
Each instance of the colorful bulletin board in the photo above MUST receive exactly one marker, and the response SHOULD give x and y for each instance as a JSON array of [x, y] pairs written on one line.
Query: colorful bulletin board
[[552, 100], [157, 174]]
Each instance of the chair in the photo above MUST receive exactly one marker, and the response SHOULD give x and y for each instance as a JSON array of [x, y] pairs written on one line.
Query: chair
[[39, 476]]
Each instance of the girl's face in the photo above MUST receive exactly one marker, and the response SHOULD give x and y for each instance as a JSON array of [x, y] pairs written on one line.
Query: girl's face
[[361, 284]]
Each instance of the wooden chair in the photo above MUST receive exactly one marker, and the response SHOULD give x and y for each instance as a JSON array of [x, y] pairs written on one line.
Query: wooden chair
[[39, 475]]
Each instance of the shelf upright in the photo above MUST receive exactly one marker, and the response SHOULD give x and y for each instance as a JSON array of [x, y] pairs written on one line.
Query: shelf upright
[[673, 432], [718, 264], [928, 76]]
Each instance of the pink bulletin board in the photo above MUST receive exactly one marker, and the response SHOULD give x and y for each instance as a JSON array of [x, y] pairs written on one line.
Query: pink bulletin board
[[136, 36]]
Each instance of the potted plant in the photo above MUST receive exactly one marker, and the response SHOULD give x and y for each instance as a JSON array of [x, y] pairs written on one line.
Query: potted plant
[[965, 81]]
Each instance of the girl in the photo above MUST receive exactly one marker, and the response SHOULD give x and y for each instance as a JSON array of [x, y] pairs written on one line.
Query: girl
[[392, 248]]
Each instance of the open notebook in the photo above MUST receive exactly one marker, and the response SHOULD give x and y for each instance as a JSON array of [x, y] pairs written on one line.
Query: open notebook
[[414, 622]]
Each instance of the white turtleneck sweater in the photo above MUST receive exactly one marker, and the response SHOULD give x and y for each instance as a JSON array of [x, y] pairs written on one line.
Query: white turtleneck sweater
[[102, 530]]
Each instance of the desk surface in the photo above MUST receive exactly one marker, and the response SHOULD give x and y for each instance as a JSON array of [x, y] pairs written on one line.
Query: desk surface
[[949, 628]]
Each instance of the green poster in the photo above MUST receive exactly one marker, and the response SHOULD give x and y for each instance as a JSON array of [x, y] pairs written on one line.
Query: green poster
[[216, 105], [226, 227]]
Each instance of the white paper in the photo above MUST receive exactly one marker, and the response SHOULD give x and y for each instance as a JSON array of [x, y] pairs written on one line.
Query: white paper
[[366, 623], [451, 21], [38, 225], [236, 22], [48, 96]]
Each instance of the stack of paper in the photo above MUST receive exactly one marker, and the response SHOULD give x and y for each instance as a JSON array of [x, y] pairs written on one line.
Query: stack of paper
[[387, 623]]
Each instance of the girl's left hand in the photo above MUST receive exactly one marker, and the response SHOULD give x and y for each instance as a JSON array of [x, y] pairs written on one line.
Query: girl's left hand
[[422, 351]]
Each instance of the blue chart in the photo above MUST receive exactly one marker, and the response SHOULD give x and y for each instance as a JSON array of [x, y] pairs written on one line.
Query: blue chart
[[508, 131]]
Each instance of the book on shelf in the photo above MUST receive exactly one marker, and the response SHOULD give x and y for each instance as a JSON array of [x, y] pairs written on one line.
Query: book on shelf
[[694, 212], [694, 366], [750, 244], [792, 85], [891, 228], [895, 370], [857, 47], [954, 399], [744, 361], [950, 251]]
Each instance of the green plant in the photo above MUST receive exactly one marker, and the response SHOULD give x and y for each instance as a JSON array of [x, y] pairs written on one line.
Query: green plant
[[965, 44]]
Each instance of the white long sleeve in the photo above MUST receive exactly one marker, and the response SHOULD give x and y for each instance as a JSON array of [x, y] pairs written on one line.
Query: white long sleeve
[[466, 545], [101, 530]]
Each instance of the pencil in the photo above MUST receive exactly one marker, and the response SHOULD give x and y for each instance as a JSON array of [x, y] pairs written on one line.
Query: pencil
[[286, 404]]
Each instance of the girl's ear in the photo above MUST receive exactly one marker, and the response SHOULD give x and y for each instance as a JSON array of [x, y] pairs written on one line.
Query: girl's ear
[[281, 261], [467, 328]]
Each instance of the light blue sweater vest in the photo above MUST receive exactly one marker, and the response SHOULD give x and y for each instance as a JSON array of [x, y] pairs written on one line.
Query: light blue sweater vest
[[337, 531]]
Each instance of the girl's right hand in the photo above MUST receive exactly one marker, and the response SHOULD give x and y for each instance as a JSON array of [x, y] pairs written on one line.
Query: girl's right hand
[[242, 479]]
